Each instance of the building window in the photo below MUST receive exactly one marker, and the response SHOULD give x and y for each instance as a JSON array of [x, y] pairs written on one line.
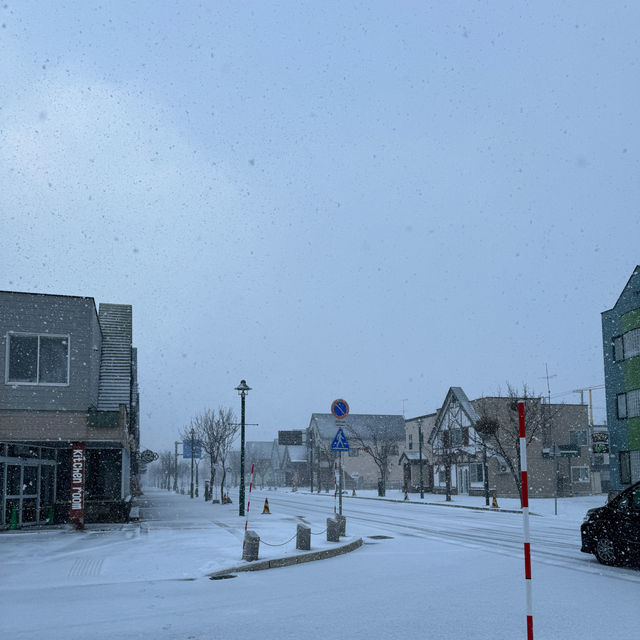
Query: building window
[[37, 359], [618, 349], [631, 341], [476, 472], [625, 467], [578, 438], [579, 474], [633, 403], [456, 437], [410, 442], [622, 405]]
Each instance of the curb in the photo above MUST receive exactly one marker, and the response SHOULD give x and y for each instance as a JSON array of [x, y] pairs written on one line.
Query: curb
[[274, 563], [439, 504]]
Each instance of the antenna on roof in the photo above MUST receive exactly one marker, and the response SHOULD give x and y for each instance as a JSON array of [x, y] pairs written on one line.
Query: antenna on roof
[[546, 368]]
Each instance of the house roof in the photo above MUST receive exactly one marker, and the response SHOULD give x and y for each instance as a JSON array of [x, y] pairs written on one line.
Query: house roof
[[454, 393], [297, 453], [414, 456], [363, 423], [258, 450], [636, 273]]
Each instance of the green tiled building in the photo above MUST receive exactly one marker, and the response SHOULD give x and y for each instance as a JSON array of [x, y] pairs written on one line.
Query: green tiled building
[[621, 343]]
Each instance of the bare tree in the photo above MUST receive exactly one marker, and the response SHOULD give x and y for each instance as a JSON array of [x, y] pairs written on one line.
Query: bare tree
[[227, 426], [204, 426], [161, 470], [216, 430], [378, 442], [499, 426]]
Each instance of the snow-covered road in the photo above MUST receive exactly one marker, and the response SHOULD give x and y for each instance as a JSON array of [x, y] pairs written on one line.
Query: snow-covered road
[[440, 573]]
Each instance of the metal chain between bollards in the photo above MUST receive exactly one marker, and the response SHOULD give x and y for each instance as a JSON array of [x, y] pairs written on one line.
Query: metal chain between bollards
[[280, 544], [318, 533]]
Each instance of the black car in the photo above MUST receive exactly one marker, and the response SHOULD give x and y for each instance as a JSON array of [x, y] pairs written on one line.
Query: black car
[[612, 532]]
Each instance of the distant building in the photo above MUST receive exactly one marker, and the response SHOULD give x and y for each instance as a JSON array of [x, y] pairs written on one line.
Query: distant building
[[410, 459], [621, 345], [69, 409], [359, 469]]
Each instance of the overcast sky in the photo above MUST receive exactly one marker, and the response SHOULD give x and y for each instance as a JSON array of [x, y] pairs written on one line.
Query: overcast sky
[[374, 200]]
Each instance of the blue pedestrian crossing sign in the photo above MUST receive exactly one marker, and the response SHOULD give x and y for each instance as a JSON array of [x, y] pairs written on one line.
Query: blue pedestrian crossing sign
[[340, 442]]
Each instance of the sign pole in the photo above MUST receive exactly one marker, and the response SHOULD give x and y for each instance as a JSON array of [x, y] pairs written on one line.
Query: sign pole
[[340, 410], [340, 483]]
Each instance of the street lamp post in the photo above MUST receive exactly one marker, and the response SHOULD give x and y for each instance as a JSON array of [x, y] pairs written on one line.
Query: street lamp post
[[242, 390], [193, 435]]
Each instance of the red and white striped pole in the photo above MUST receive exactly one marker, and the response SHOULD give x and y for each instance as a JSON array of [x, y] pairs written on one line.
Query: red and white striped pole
[[525, 519], [246, 522]]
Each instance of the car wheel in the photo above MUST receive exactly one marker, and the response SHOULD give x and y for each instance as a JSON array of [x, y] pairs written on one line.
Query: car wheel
[[606, 551]]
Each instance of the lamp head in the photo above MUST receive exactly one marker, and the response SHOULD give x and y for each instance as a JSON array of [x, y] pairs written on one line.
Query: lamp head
[[243, 388]]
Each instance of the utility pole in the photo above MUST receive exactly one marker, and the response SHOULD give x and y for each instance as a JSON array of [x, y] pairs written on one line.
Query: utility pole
[[175, 468]]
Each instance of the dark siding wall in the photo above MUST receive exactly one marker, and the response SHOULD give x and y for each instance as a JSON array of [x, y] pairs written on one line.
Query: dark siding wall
[[35, 313]]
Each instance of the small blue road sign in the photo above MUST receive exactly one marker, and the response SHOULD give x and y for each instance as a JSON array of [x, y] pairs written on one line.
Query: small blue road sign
[[197, 449], [340, 442], [340, 408]]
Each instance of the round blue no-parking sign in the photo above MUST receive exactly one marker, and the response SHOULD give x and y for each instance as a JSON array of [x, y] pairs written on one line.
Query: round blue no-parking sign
[[340, 408]]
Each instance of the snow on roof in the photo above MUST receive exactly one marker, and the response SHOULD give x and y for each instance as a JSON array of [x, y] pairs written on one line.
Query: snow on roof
[[259, 450], [363, 423], [297, 453]]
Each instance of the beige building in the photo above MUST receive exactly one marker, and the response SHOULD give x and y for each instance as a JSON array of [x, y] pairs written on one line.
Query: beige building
[[558, 452], [410, 458]]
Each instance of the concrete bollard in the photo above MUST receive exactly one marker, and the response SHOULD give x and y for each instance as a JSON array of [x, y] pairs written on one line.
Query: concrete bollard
[[250, 546], [342, 524], [333, 530], [303, 538]]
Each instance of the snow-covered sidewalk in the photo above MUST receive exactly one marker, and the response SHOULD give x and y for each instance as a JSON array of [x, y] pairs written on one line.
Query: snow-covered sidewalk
[[210, 540]]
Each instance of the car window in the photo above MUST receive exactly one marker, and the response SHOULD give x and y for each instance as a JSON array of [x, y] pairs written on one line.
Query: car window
[[635, 500]]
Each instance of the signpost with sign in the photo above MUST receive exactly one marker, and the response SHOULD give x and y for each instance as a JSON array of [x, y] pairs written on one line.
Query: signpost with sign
[[189, 451], [557, 451], [291, 437], [340, 410]]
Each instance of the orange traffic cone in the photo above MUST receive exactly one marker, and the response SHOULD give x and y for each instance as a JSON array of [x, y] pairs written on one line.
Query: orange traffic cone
[[354, 492], [494, 502], [266, 506]]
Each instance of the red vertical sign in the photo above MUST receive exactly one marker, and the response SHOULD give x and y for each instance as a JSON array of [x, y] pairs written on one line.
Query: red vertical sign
[[78, 472]]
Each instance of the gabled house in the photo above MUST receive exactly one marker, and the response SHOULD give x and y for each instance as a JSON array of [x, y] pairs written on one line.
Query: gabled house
[[558, 452], [366, 432], [69, 409], [259, 455]]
